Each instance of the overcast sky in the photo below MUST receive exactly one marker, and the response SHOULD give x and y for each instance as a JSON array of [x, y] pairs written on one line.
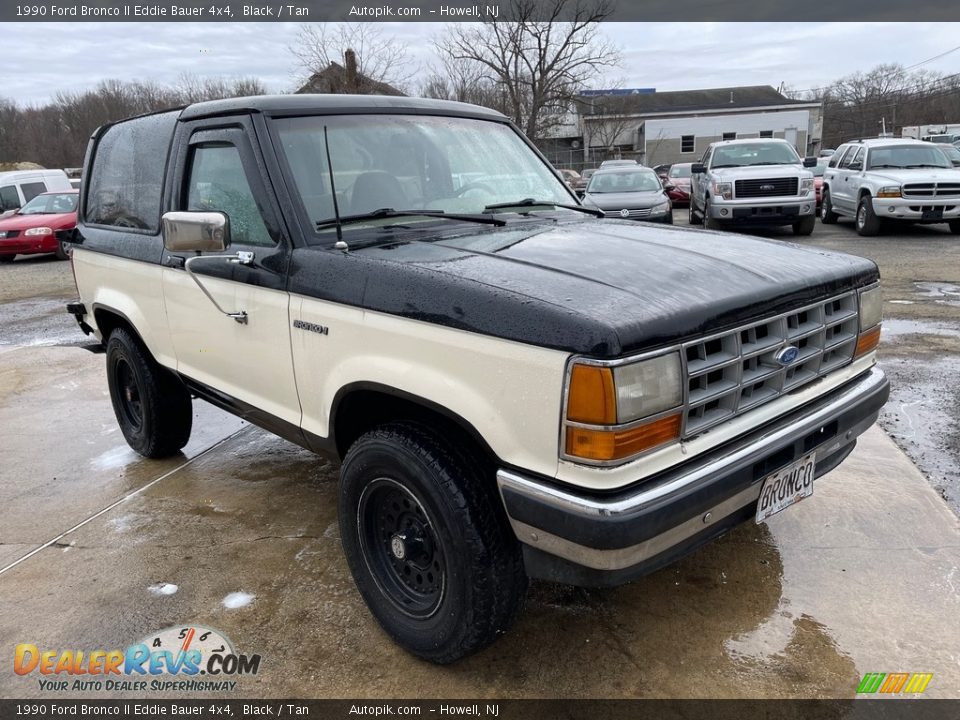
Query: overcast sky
[[40, 59]]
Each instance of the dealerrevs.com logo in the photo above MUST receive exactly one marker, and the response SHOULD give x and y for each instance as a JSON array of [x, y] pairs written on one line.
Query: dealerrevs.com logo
[[191, 659]]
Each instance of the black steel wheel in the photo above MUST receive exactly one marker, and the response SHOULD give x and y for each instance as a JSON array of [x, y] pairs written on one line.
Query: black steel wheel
[[428, 542], [398, 540], [152, 405]]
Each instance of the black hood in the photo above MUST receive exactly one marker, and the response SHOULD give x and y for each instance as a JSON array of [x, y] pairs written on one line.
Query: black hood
[[599, 287]]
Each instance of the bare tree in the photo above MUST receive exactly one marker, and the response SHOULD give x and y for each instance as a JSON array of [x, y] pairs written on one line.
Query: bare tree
[[539, 59], [379, 58], [607, 118]]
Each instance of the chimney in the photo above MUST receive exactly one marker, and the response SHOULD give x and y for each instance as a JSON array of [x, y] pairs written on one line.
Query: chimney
[[350, 74]]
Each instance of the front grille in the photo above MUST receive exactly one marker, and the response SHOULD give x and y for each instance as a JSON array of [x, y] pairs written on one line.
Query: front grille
[[932, 190], [735, 371], [645, 212], [773, 187]]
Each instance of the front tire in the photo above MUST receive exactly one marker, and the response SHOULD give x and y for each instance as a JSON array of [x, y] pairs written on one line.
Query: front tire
[[692, 217], [7, 258], [709, 223], [955, 227], [63, 250], [429, 547], [152, 405], [868, 224], [805, 226], [827, 215]]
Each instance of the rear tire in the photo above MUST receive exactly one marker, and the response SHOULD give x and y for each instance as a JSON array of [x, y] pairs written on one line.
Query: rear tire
[[428, 544], [152, 405], [868, 224], [805, 226], [827, 215], [692, 217]]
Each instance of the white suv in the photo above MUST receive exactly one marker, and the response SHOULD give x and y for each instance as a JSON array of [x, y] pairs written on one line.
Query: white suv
[[891, 179]]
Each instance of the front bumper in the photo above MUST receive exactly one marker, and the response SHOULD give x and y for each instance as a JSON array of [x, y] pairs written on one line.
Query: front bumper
[[763, 211], [603, 540], [917, 209]]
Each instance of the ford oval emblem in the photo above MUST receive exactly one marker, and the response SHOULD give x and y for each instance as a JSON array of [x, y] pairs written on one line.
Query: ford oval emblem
[[787, 355], [624, 213]]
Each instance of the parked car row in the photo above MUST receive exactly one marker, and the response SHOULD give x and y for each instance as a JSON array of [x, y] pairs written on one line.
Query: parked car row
[[38, 226]]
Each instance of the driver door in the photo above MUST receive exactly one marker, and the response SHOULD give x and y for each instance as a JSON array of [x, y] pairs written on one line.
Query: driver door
[[248, 364]]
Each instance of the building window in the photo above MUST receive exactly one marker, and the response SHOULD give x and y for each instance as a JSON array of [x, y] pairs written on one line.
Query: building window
[[766, 133], [687, 144], [730, 136]]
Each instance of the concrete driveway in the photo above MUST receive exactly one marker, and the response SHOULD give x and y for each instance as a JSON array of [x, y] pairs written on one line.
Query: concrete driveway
[[100, 548]]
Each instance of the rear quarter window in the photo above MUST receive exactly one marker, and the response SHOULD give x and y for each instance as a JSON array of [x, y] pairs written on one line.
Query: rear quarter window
[[31, 190], [126, 177]]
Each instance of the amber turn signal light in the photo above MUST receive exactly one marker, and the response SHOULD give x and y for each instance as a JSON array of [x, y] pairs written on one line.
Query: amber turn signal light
[[605, 445], [867, 341], [593, 396]]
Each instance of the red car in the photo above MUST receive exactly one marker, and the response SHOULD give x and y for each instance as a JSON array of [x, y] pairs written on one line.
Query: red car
[[33, 228], [818, 171], [677, 183]]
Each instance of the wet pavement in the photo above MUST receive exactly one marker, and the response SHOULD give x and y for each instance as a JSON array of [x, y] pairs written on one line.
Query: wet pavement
[[100, 548]]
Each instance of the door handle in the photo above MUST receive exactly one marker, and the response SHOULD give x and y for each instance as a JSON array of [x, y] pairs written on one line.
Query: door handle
[[243, 257]]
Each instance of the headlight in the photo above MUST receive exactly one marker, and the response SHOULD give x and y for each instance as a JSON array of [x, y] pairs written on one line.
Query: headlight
[[614, 414], [724, 190], [38, 231], [806, 186], [891, 191], [660, 209], [871, 313]]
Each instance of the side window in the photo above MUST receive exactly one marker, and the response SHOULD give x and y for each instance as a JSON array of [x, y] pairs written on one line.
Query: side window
[[837, 156], [31, 190], [705, 160], [9, 199], [848, 157], [126, 180], [218, 182], [856, 161]]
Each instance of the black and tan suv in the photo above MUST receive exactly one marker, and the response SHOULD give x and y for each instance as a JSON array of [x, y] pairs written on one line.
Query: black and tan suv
[[516, 388]]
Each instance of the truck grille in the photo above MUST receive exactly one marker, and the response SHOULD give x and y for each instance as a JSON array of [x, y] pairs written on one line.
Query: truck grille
[[932, 190], [774, 187], [645, 212], [735, 371]]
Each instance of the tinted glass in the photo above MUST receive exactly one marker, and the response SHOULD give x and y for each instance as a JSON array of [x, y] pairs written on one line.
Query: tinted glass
[[409, 162], [617, 182], [755, 153], [908, 156], [31, 190], [218, 182], [9, 199], [51, 204], [126, 181]]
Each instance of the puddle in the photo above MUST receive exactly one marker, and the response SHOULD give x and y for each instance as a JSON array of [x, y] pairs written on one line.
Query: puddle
[[897, 327], [943, 293], [114, 459], [38, 322]]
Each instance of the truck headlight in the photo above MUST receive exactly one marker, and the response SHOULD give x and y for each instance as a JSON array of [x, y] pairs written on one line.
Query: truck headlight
[[32, 232], [615, 413], [806, 186], [890, 191], [871, 313], [724, 190], [660, 209]]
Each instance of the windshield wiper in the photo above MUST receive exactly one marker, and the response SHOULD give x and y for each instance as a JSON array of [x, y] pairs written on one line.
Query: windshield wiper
[[717, 167], [391, 213], [887, 165], [925, 165], [530, 202]]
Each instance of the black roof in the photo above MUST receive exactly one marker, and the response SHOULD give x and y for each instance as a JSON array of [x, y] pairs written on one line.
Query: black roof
[[307, 104], [693, 100]]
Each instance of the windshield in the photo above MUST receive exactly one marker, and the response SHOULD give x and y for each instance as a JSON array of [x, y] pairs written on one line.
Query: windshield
[[624, 181], [758, 153], [907, 156], [411, 162], [680, 171], [50, 204]]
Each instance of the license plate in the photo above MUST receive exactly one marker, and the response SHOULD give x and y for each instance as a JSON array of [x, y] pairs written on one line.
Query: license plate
[[935, 214], [785, 487]]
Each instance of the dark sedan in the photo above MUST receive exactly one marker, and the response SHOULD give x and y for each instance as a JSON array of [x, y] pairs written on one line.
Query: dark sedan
[[630, 193]]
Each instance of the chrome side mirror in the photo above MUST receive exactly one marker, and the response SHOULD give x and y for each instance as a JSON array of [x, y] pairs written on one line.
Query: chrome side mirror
[[189, 231]]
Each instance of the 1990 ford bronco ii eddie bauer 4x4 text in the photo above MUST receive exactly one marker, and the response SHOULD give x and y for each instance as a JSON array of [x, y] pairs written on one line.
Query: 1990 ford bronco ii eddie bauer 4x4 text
[[516, 388]]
